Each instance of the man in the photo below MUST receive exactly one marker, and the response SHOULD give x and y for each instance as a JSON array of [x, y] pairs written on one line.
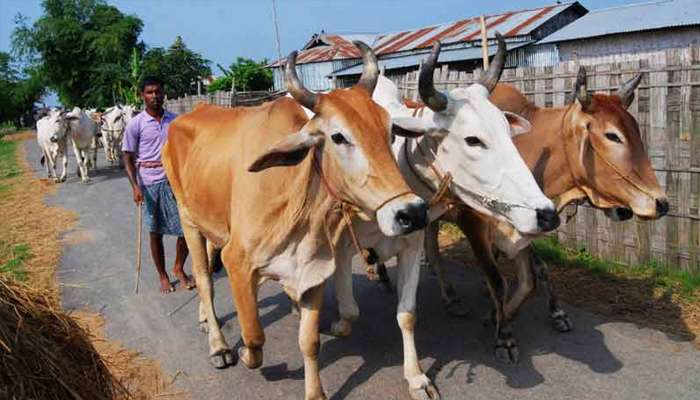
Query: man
[[144, 138]]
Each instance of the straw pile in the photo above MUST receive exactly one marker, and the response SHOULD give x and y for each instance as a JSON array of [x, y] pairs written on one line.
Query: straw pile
[[45, 354]]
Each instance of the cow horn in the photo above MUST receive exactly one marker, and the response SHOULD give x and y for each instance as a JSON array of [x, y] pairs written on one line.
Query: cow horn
[[304, 96], [370, 67], [493, 74], [432, 98], [626, 90], [580, 89]]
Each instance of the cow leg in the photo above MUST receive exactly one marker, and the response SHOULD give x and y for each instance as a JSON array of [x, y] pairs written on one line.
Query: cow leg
[[347, 306], [80, 159], [94, 152], [526, 284], [478, 233], [244, 285], [408, 274], [220, 354], [450, 300], [560, 320], [309, 342], [64, 173]]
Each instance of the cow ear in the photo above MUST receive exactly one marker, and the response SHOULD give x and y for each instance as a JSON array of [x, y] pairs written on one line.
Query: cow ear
[[414, 127], [518, 124], [288, 151]]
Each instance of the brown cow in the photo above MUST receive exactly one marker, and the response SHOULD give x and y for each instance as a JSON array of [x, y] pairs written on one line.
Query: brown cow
[[284, 223], [589, 150]]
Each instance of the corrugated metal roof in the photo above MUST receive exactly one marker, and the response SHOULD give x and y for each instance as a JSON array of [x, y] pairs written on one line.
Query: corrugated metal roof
[[471, 53], [630, 18], [327, 47]]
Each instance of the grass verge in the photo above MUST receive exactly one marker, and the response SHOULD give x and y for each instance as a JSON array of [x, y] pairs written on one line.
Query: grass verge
[[682, 283]]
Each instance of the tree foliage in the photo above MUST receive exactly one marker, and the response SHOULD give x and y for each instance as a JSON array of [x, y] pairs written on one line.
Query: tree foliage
[[247, 74], [18, 91], [179, 67], [82, 48]]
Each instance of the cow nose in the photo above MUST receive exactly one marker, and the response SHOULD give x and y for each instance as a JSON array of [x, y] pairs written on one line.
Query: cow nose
[[412, 217], [547, 219], [661, 207]]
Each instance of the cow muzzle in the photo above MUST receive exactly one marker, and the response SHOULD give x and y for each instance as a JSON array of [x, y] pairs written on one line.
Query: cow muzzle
[[53, 139], [403, 215]]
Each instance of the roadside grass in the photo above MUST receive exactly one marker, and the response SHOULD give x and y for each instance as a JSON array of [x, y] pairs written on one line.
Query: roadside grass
[[682, 283], [8, 164], [16, 257]]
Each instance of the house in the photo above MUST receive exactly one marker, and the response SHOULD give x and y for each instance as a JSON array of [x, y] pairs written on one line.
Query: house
[[322, 55], [329, 57], [626, 33]]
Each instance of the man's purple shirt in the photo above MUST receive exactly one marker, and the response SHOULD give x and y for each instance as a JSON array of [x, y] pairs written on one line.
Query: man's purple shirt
[[145, 137]]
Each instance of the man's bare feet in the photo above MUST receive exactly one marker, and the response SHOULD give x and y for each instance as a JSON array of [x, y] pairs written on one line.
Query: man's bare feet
[[165, 286], [185, 280]]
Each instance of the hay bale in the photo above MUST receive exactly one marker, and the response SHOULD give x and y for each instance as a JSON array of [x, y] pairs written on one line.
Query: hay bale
[[44, 353]]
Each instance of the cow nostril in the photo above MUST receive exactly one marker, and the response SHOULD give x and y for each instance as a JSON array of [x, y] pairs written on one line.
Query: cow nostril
[[547, 219], [403, 219], [662, 207], [412, 217]]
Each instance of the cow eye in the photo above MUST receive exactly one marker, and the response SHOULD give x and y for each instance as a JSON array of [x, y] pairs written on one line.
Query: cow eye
[[474, 141], [338, 138], [613, 137]]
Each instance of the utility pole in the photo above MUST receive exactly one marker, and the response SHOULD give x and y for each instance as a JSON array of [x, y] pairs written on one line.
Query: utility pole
[[277, 30]]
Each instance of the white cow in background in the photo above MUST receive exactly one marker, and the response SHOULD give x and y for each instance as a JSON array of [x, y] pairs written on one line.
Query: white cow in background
[[52, 137], [114, 121], [81, 131], [96, 116]]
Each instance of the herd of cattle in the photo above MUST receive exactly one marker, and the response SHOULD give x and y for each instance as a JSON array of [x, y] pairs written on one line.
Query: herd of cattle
[[85, 131], [293, 189]]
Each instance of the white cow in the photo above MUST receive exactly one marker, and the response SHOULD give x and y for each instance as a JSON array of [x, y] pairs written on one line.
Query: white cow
[[466, 136], [81, 131], [52, 137], [114, 121]]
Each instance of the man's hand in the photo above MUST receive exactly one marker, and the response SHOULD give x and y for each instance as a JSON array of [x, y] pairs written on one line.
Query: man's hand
[[138, 196]]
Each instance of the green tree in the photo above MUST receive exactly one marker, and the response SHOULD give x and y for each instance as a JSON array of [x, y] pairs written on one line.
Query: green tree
[[179, 67], [248, 75], [82, 48], [18, 91]]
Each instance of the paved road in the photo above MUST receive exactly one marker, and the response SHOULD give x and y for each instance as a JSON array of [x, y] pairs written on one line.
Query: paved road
[[600, 359]]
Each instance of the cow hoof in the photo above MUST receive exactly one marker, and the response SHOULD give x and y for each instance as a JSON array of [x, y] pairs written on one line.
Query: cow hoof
[[341, 328], [507, 351], [455, 307], [204, 326], [222, 359], [429, 393], [251, 358], [561, 321]]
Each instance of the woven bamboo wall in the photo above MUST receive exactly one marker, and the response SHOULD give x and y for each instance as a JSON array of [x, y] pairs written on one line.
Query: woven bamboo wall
[[667, 107], [221, 98]]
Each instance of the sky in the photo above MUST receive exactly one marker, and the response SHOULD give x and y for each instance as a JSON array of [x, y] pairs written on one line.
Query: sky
[[222, 30]]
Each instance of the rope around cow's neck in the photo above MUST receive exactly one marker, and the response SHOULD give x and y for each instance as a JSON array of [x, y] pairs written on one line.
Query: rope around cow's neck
[[346, 209]]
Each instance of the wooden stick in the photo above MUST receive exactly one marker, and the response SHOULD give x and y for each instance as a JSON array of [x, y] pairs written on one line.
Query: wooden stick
[[484, 43], [138, 246]]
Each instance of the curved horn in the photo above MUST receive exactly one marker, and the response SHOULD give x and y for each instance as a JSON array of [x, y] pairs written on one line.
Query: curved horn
[[580, 89], [432, 98], [370, 67], [493, 74], [626, 90], [307, 98]]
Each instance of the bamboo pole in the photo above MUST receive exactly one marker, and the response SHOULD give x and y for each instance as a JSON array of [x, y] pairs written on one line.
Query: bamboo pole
[[484, 43]]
